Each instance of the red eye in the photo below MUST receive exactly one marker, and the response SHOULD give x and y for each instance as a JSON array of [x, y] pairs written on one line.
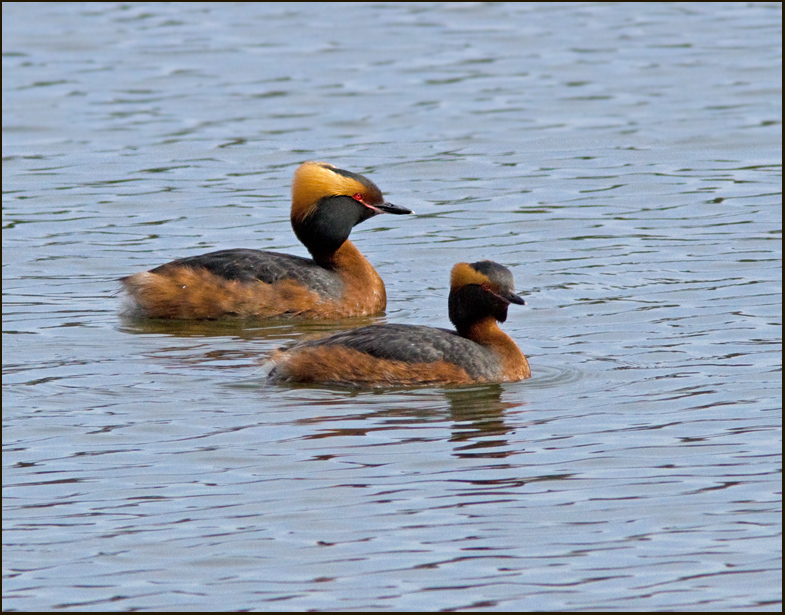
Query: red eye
[[358, 197]]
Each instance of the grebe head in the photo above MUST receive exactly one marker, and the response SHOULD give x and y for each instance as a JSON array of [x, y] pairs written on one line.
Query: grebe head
[[479, 290], [327, 202]]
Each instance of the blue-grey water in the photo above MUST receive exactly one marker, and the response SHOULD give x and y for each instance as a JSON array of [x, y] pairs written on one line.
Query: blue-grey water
[[623, 159]]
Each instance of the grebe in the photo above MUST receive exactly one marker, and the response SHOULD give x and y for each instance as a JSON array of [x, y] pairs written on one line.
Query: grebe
[[337, 282], [394, 354]]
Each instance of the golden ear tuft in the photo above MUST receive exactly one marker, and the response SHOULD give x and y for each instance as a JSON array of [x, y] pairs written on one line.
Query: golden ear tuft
[[463, 274], [314, 181]]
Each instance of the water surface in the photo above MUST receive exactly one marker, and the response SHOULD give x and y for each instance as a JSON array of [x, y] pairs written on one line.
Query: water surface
[[624, 160]]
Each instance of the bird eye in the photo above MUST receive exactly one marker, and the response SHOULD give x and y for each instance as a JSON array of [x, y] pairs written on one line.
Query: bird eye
[[358, 197]]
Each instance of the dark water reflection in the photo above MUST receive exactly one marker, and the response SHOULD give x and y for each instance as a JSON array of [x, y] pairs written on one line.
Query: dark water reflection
[[478, 417], [624, 160]]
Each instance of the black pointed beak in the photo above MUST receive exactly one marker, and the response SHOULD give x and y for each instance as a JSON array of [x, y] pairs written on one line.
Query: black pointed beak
[[512, 298], [389, 208]]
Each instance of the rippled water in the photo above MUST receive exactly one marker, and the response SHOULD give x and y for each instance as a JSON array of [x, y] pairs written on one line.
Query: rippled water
[[624, 160]]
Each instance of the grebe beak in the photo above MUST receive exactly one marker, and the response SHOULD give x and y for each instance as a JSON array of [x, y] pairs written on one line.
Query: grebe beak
[[392, 209], [511, 297]]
